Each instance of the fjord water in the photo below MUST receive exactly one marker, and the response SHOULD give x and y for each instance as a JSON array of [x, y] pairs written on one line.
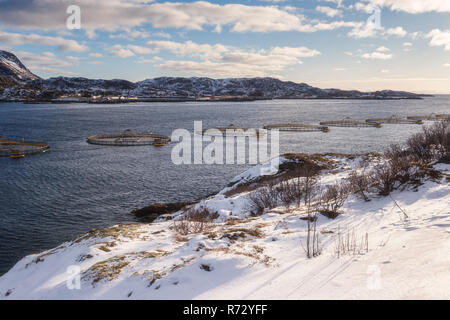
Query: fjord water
[[49, 198]]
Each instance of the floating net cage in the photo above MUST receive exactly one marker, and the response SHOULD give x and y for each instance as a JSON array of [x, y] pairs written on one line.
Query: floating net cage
[[232, 130], [349, 122], [129, 138], [10, 147], [296, 127], [395, 120], [431, 117]]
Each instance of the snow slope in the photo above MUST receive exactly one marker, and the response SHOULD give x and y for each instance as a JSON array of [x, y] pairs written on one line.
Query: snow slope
[[244, 257], [11, 67]]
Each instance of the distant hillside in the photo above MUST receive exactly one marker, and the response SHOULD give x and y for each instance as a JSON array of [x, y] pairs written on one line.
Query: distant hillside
[[17, 83]]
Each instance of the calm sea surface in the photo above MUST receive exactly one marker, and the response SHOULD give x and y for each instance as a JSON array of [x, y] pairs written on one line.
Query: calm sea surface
[[48, 198]]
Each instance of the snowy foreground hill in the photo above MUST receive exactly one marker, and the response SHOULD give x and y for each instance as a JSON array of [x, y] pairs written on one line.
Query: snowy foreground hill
[[391, 247]]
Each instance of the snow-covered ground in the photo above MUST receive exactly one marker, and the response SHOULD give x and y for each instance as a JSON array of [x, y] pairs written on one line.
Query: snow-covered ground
[[244, 257]]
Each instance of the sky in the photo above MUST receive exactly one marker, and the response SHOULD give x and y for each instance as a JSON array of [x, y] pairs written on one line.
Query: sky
[[364, 44]]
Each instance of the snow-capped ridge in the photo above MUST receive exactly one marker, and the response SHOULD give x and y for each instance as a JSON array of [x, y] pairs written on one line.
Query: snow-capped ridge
[[12, 67]]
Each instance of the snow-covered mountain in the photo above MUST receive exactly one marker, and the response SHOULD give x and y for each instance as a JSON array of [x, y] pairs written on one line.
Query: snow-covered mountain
[[79, 84], [18, 83], [256, 87], [11, 67]]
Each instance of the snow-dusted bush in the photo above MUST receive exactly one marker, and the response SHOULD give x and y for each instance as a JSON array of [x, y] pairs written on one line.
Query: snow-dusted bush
[[264, 197], [333, 198], [360, 183], [291, 190], [195, 220], [432, 142]]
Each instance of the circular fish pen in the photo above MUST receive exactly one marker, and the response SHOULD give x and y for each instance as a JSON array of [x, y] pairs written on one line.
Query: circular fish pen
[[10, 148], [431, 117], [296, 127], [233, 131], [395, 120], [349, 122], [129, 138]]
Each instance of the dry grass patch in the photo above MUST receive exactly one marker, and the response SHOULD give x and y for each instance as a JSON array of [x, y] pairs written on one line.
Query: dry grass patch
[[107, 270], [158, 253], [232, 222], [131, 231], [111, 268], [257, 254], [235, 234], [106, 246]]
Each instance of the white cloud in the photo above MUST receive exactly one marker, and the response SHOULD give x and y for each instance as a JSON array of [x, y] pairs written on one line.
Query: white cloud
[[120, 51], [113, 15], [363, 32], [152, 60], [219, 60], [36, 39], [129, 50], [367, 31], [383, 49], [216, 69], [368, 8], [95, 62], [329, 11], [414, 6], [407, 46], [439, 38], [397, 31], [95, 55], [73, 59], [447, 65], [377, 55], [301, 52], [47, 62], [139, 34], [189, 48]]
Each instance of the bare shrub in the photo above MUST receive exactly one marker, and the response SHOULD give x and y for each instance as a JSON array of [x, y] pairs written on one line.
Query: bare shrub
[[310, 188], [432, 142], [360, 183], [313, 248], [349, 242], [333, 198], [195, 220], [291, 191], [401, 168], [384, 179], [264, 197]]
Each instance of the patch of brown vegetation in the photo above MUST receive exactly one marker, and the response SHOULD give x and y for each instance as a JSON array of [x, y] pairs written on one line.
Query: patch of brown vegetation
[[235, 234], [256, 253], [131, 231], [105, 246], [108, 269]]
